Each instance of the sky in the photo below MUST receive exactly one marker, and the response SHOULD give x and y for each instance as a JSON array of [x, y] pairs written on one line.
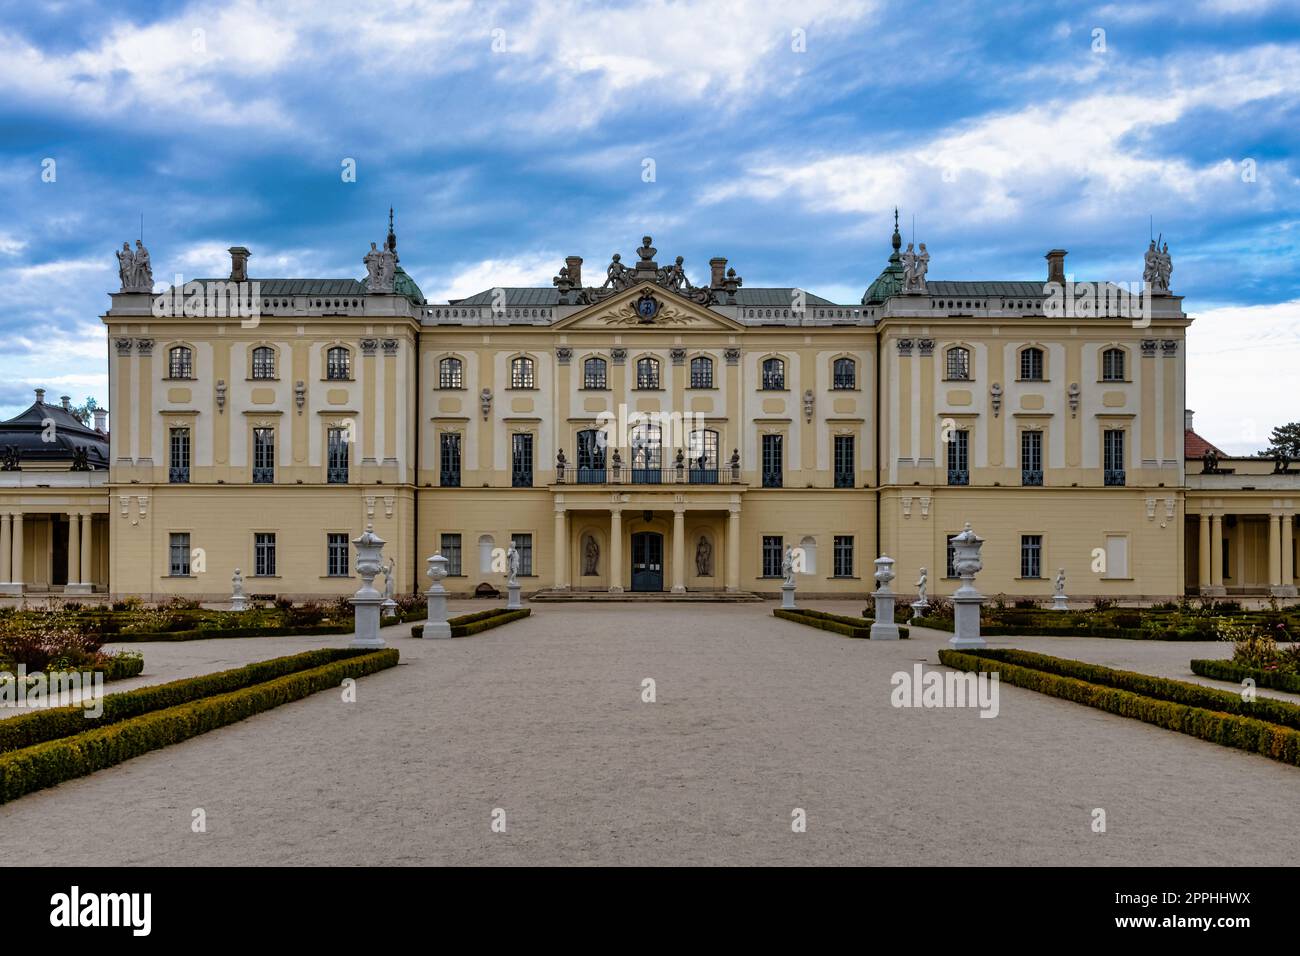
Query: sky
[[780, 135]]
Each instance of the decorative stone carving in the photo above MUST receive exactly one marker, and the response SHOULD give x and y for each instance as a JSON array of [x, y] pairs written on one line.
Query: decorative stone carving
[[618, 355], [732, 356], [134, 268], [678, 356], [926, 346], [925, 507], [1073, 394], [995, 395], [369, 346], [221, 396], [11, 460], [123, 346], [390, 346], [300, 394], [915, 266], [904, 346], [704, 558], [485, 402], [144, 346], [388, 570], [1149, 348], [1169, 347], [809, 404], [563, 355], [906, 502], [381, 269], [590, 556], [1158, 267], [619, 277]]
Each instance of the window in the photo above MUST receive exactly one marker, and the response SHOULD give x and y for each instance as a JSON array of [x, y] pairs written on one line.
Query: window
[[521, 461], [646, 453], [1116, 556], [178, 471], [591, 457], [1031, 555], [844, 467], [522, 373], [451, 551], [180, 554], [1031, 457], [451, 373], [647, 373], [773, 375], [263, 362], [524, 545], [263, 456], [338, 363], [843, 556], [336, 463], [702, 372], [772, 556], [1031, 364], [959, 364], [594, 373], [959, 457], [844, 374], [449, 460], [773, 465], [180, 362], [1112, 365], [336, 555], [950, 566], [1113, 456], [702, 456], [264, 554]]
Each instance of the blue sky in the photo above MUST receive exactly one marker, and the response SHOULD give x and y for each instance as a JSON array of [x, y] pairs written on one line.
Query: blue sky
[[508, 135]]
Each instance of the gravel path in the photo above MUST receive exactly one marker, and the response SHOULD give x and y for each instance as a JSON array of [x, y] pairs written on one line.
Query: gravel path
[[754, 717]]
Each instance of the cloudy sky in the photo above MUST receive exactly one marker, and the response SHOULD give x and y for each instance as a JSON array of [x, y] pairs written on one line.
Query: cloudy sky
[[779, 134]]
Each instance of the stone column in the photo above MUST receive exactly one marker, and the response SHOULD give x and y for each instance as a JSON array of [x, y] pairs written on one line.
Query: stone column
[[74, 550], [87, 551], [1203, 555], [1274, 553], [1288, 556], [561, 577], [679, 549], [733, 549], [16, 573], [615, 551], [6, 547], [1216, 553]]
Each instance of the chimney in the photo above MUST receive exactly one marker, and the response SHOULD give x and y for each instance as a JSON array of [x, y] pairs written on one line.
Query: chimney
[[575, 270], [101, 420], [1056, 266], [239, 264], [40, 396], [717, 272], [1187, 419], [66, 402]]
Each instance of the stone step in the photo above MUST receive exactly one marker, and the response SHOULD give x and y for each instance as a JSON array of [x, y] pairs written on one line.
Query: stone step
[[713, 597]]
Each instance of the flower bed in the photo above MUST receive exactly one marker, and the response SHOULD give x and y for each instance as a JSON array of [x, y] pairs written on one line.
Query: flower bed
[[835, 623], [1229, 671]]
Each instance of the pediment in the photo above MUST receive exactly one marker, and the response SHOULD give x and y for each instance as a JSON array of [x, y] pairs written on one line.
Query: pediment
[[673, 312]]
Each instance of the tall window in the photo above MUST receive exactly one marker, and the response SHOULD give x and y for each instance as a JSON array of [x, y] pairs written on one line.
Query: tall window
[[772, 555], [449, 460], [180, 362], [647, 373], [264, 554], [773, 463], [1112, 365], [1031, 364], [773, 375], [958, 363], [1113, 456], [522, 373], [524, 545], [591, 457], [959, 457], [844, 465], [451, 551], [521, 461], [844, 373], [843, 556], [263, 456], [336, 554], [178, 470], [702, 372], [595, 373], [702, 456], [451, 373], [646, 444], [180, 554], [338, 363], [263, 362], [1031, 457], [1031, 555], [336, 466], [950, 567]]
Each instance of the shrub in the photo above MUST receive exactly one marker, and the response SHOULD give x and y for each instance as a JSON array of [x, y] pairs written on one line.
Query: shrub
[[306, 615], [1026, 603], [1229, 671], [835, 623], [1103, 603]]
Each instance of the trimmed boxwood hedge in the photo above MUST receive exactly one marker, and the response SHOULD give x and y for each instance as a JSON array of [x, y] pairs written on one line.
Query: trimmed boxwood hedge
[[50, 763], [207, 633], [1227, 670], [1187, 708], [1083, 630], [469, 624], [835, 623]]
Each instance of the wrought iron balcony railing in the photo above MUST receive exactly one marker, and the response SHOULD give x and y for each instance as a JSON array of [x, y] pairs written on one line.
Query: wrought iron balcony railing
[[1031, 476], [337, 475], [179, 475], [1113, 476], [639, 475], [958, 476], [263, 476]]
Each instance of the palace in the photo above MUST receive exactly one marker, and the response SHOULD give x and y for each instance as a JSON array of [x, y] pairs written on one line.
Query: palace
[[638, 434]]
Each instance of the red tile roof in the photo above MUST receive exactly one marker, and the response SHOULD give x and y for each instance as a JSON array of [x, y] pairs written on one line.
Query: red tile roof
[[1194, 446]]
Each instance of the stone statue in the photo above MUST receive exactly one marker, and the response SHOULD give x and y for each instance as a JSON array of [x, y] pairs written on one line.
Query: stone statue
[[787, 567], [922, 267], [673, 276], [126, 267], [1060, 581], [388, 570], [647, 251], [921, 585], [374, 261], [142, 268], [10, 461], [1158, 267], [81, 460], [909, 267], [915, 266], [590, 557], [560, 461], [616, 274], [735, 459], [237, 583], [1209, 462], [1165, 265], [680, 460], [512, 565], [704, 558]]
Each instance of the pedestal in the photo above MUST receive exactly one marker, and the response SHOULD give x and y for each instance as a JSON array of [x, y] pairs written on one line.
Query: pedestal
[[787, 598], [366, 612], [436, 625], [919, 608], [883, 627], [78, 589], [513, 603], [388, 608], [238, 602], [1059, 602], [966, 604]]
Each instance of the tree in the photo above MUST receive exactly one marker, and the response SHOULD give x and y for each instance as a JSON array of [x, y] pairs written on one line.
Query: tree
[[1284, 443], [85, 412]]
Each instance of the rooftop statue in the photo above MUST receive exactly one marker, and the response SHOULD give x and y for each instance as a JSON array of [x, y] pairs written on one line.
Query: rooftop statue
[[1158, 267], [134, 268]]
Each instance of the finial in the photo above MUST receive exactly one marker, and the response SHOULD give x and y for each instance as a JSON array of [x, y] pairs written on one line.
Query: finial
[[392, 236], [897, 239]]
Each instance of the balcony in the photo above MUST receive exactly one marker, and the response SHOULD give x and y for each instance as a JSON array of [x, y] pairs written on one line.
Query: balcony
[[263, 476], [1113, 477], [1031, 476], [958, 476], [638, 475], [179, 475], [337, 475]]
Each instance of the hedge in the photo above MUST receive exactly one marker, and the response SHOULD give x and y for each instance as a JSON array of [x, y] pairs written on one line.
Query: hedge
[[835, 623], [1091, 630], [1272, 740], [1227, 670], [47, 764], [37, 726], [117, 667], [198, 634], [467, 625]]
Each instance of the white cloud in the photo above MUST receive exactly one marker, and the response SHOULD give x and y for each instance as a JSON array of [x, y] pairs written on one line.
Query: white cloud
[[11, 245], [532, 269]]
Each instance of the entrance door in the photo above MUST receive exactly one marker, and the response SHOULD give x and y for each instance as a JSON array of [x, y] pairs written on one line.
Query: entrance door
[[647, 561]]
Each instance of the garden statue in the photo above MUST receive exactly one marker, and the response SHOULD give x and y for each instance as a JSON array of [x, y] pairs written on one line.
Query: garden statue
[[590, 557], [921, 586], [512, 583], [237, 600], [704, 558], [1058, 598]]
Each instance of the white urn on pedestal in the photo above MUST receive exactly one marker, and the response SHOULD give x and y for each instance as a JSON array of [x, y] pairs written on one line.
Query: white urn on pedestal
[[436, 625], [883, 627], [966, 600], [365, 603]]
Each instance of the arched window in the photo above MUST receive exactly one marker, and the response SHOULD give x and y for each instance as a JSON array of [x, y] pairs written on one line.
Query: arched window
[[702, 456], [522, 374], [959, 364], [486, 546], [702, 372], [338, 363], [594, 373], [451, 373], [646, 454], [844, 373], [263, 362], [1031, 364], [180, 362], [773, 374], [591, 456], [647, 373], [1112, 365]]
